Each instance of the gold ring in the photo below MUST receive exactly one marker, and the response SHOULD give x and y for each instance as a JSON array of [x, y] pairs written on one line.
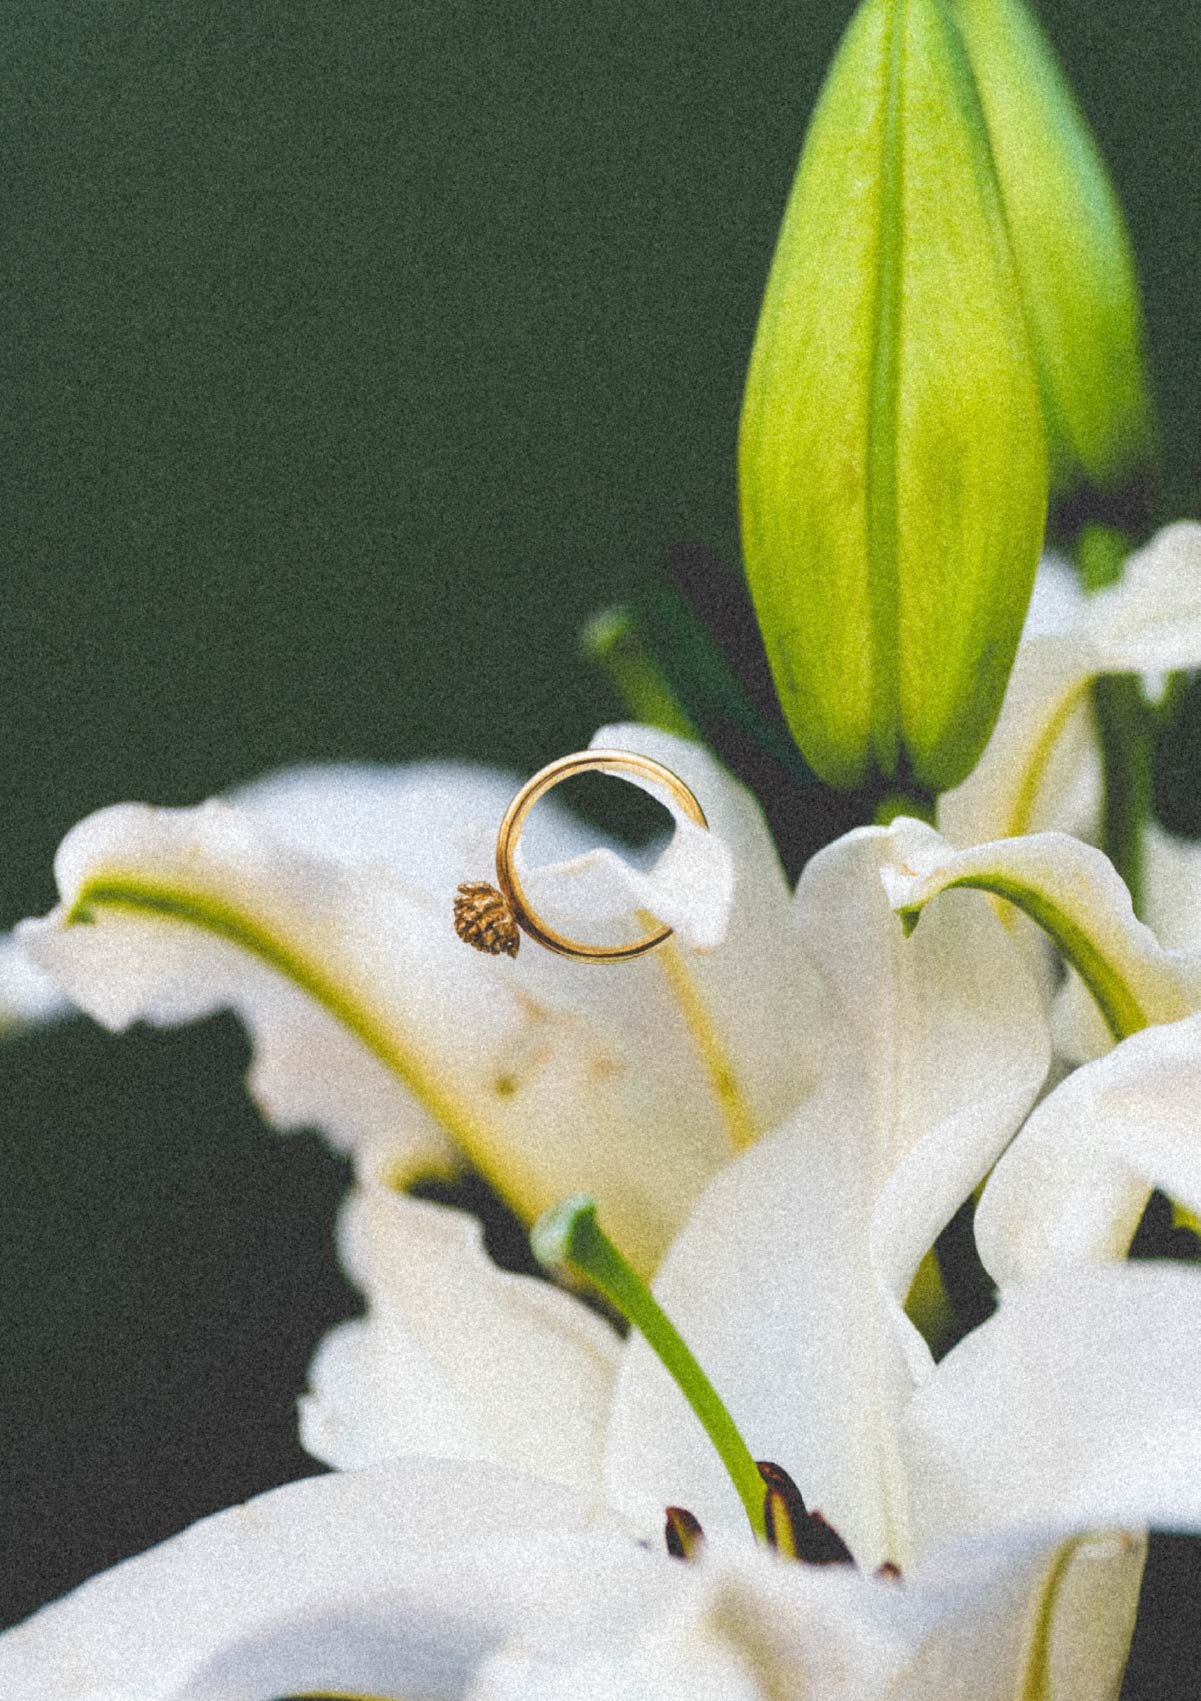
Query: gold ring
[[493, 921]]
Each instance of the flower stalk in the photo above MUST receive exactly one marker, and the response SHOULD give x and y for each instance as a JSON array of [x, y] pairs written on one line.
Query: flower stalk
[[568, 1236]]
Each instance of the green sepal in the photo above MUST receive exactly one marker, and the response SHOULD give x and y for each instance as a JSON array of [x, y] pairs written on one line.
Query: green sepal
[[1073, 253], [892, 456]]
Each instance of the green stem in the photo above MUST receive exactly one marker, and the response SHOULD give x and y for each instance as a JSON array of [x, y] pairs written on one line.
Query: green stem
[[613, 640], [1124, 735], [569, 1235], [1123, 727], [894, 803]]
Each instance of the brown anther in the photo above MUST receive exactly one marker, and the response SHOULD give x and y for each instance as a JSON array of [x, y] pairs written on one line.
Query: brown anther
[[683, 1534], [484, 920], [889, 1572], [784, 1510], [792, 1529]]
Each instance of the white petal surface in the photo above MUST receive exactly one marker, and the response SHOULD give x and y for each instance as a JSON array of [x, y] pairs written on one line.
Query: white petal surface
[[456, 1359], [1078, 1404], [1073, 892], [1041, 1614], [756, 1012], [1172, 888], [771, 1286], [1039, 770], [744, 1628], [27, 996], [431, 823], [391, 1582], [1150, 621], [1074, 1184], [788, 1279], [1046, 1612]]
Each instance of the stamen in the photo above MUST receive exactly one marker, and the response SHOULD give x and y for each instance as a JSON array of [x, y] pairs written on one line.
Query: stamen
[[795, 1531], [824, 1545], [683, 1534], [889, 1572], [569, 1235]]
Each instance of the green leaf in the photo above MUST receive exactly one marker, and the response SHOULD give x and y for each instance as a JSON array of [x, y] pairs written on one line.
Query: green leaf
[[892, 456], [1073, 253]]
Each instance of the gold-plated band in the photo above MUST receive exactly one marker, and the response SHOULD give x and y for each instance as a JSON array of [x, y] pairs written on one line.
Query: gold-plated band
[[584, 762]]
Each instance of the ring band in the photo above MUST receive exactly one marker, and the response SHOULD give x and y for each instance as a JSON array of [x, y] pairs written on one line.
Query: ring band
[[489, 920]]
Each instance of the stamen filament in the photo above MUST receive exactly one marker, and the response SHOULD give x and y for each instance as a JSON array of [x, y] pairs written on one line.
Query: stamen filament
[[568, 1235]]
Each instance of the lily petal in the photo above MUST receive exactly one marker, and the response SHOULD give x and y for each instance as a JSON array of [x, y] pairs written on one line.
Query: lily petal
[[743, 1628], [1172, 887], [27, 996], [431, 823], [788, 1279], [389, 1582], [1039, 770], [1078, 1403], [171, 914], [1074, 1184], [1073, 892], [1041, 1613], [455, 1359], [1150, 620], [771, 1285], [1044, 1612]]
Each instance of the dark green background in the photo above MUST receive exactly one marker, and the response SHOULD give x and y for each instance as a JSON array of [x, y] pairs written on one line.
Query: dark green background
[[353, 354]]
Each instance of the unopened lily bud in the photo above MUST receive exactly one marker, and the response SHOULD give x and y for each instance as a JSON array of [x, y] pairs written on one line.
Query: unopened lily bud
[[893, 458], [1072, 250]]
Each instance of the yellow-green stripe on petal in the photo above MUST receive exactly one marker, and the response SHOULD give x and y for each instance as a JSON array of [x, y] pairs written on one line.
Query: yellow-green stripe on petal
[[250, 934], [1074, 894]]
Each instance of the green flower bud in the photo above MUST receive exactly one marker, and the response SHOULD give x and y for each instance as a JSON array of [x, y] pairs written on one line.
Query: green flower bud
[[1072, 251], [892, 457]]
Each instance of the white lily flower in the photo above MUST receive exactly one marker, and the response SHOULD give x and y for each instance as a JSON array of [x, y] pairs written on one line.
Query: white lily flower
[[1074, 1411], [317, 906], [788, 1280], [942, 1049], [371, 1019]]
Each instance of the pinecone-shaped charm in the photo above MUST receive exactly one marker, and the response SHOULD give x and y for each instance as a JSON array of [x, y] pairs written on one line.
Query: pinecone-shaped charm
[[484, 919]]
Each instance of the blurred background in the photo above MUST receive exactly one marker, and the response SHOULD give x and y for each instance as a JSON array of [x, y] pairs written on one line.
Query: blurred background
[[353, 355]]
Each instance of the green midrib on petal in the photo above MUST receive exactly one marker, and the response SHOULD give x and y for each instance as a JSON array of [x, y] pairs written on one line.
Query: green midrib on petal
[[338, 1695], [735, 1113], [1022, 816], [1124, 1014], [1036, 1679], [883, 384], [225, 922]]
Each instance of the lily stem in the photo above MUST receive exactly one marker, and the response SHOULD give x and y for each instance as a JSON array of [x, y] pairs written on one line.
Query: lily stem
[[570, 1235], [1123, 729]]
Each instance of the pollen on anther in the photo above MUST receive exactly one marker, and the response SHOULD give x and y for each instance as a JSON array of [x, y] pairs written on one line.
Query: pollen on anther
[[484, 920], [792, 1529], [682, 1534]]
